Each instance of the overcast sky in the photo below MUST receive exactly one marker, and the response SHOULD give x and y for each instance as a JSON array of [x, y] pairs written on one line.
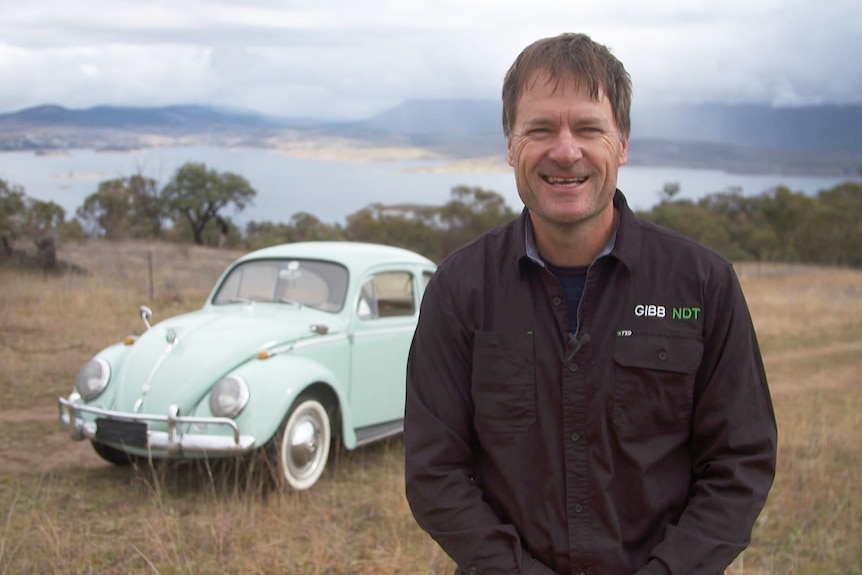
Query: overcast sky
[[353, 58]]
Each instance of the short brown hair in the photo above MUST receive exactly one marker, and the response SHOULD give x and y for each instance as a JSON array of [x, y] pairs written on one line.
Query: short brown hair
[[571, 56]]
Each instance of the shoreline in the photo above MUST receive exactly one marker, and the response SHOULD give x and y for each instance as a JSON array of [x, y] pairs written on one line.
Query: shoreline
[[333, 149]]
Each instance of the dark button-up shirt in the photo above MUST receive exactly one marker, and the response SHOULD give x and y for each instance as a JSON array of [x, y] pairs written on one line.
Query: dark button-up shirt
[[643, 443]]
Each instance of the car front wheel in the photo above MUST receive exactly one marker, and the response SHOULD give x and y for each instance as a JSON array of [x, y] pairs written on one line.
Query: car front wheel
[[113, 455], [303, 448]]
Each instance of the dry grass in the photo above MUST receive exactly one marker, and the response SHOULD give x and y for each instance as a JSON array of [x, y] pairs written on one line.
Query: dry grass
[[49, 324], [63, 511], [795, 307], [194, 519]]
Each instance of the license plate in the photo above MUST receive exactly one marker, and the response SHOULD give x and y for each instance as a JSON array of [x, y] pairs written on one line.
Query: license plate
[[131, 433]]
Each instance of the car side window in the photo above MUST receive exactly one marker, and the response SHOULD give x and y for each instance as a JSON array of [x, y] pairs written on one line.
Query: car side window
[[387, 294]]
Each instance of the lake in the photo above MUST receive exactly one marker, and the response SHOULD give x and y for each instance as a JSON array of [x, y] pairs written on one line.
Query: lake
[[332, 190]]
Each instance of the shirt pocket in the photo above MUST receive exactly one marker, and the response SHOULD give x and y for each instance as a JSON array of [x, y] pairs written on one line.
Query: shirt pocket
[[503, 385], [654, 382]]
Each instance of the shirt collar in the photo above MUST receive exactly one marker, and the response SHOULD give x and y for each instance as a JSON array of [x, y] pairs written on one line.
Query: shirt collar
[[533, 251]]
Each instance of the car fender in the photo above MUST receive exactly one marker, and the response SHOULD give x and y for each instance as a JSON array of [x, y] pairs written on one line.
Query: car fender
[[275, 384], [114, 356]]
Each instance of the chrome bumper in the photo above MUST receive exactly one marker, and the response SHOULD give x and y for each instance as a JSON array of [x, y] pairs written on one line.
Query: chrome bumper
[[168, 443]]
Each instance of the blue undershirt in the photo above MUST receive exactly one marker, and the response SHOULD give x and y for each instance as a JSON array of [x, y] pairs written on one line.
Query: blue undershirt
[[572, 280]]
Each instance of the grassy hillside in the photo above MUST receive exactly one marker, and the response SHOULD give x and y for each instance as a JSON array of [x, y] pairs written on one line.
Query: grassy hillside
[[66, 511]]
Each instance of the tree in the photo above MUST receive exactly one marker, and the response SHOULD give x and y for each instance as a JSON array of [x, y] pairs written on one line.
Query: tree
[[11, 216], [23, 217], [694, 222], [148, 210], [432, 231], [263, 234], [43, 222], [124, 208], [107, 212], [305, 227], [842, 216], [405, 226], [744, 222], [788, 214], [669, 192], [196, 195], [471, 212]]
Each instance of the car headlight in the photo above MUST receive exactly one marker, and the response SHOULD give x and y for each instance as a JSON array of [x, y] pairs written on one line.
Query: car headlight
[[229, 397], [93, 378]]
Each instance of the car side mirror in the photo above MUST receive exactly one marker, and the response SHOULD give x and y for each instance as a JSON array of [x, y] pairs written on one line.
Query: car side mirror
[[146, 314]]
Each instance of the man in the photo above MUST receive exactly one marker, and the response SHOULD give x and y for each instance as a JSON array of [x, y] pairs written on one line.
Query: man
[[585, 390]]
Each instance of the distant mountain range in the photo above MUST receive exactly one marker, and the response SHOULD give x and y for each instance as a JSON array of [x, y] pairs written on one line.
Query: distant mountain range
[[815, 140]]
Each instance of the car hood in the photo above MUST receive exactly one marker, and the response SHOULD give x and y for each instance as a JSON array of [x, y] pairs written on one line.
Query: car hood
[[178, 360]]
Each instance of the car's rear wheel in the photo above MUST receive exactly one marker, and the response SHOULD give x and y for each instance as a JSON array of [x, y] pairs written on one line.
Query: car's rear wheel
[[114, 455], [304, 443]]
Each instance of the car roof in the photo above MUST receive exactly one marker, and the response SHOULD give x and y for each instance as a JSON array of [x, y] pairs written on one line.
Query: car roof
[[350, 254]]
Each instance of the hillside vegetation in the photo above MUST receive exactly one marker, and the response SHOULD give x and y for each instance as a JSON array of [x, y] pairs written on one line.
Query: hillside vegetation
[[778, 225]]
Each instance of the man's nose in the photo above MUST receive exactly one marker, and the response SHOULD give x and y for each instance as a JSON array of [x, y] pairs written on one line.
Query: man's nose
[[566, 148]]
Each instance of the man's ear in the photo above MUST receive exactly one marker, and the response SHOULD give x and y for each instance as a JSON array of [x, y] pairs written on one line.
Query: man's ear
[[624, 151], [509, 152]]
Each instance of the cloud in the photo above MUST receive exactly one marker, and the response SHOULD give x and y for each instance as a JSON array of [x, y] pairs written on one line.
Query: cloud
[[328, 58]]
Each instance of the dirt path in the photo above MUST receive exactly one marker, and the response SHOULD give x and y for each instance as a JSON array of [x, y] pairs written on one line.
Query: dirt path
[[813, 353], [38, 444], [37, 449], [831, 377], [51, 452], [24, 414]]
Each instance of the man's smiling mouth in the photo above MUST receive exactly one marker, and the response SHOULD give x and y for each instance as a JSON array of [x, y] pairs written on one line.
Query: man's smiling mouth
[[564, 181]]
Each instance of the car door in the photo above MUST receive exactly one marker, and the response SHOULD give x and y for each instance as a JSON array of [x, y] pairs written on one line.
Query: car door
[[383, 326]]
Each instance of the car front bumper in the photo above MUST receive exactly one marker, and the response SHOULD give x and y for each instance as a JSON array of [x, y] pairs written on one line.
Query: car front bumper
[[170, 443]]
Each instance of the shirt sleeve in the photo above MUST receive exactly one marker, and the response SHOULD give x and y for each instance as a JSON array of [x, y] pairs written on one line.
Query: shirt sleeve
[[734, 440], [439, 441]]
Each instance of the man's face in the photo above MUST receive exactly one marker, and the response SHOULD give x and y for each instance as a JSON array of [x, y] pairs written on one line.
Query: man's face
[[566, 151]]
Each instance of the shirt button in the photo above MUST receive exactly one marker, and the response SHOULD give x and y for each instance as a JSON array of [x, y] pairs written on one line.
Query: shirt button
[[575, 437], [573, 367], [557, 301], [578, 508], [662, 355], [472, 571]]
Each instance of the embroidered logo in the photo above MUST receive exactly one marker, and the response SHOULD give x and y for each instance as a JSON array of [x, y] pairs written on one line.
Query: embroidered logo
[[685, 312], [654, 310], [650, 310]]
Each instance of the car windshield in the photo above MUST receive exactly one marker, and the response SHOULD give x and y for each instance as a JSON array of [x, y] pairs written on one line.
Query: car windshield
[[311, 283]]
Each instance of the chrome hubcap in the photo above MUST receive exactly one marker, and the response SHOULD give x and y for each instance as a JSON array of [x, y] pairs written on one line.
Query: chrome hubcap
[[304, 446]]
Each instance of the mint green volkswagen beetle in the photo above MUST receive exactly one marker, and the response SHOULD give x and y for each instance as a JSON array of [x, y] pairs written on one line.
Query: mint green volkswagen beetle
[[298, 346]]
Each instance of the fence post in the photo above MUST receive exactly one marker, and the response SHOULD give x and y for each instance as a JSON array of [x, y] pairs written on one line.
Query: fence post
[[150, 274]]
